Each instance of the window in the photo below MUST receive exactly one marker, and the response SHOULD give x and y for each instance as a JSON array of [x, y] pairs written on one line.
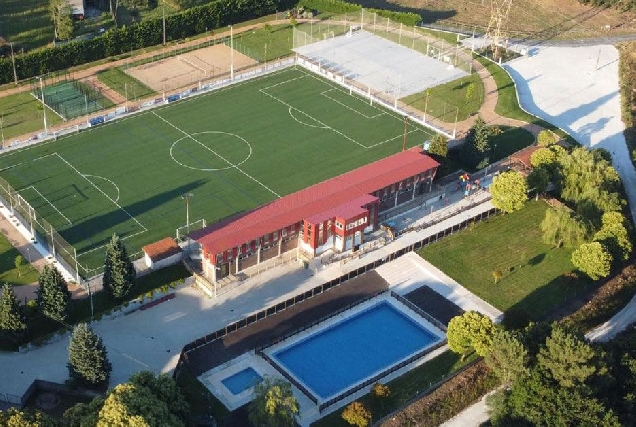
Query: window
[[339, 225]]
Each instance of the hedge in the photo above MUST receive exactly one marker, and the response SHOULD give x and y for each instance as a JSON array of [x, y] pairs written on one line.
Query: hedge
[[215, 14]]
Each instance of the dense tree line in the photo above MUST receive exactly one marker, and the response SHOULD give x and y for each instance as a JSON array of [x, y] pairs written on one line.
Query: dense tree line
[[215, 14], [624, 5]]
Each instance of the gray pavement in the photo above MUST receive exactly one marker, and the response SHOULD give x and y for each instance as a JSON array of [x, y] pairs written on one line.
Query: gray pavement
[[152, 339]]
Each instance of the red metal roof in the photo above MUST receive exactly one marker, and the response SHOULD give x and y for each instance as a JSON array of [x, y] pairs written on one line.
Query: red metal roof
[[320, 197], [162, 249], [345, 211]]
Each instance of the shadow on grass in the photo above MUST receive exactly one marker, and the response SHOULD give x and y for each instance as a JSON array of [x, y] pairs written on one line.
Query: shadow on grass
[[428, 16]]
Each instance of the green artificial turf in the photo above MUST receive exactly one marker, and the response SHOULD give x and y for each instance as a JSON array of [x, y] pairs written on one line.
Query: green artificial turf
[[123, 84], [234, 149], [533, 273], [275, 41]]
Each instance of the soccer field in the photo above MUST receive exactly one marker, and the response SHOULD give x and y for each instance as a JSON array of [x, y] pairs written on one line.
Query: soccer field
[[234, 149]]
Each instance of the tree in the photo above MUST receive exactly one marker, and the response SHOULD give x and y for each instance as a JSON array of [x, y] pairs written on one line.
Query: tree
[[87, 357], [61, 15], [54, 298], [508, 357], [561, 227], [475, 148], [357, 414], [439, 145], [14, 417], [593, 259], [119, 271], [538, 179], [381, 392], [274, 404], [470, 92], [470, 330], [497, 275], [547, 157], [567, 358], [546, 138], [19, 262], [509, 191], [143, 401], [133, 405], [12, 318], [614, 235]]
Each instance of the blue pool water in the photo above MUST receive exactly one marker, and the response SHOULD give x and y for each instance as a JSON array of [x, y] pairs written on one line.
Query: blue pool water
[[242, 380], [334, 359]]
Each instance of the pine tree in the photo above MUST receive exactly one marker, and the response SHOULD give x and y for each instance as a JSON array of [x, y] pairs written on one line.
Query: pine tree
[[12, 319], [87, 357], [119, 271], [54, 298]]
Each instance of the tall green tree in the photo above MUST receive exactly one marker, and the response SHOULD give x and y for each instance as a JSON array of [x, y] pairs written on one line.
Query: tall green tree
[[274, 404], [471, 330], [14, 417], [509, 191], [12, 318], [119, 271], [61, 15], [54, 298], [538, 180], [439, 145], [593, 259], [614, 235], [546, 138], [561, 227], [567, 359], [508, 357], [87, 357]]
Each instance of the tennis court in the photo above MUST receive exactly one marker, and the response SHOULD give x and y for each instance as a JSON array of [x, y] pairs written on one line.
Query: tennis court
[[234, 149], [71, 99]]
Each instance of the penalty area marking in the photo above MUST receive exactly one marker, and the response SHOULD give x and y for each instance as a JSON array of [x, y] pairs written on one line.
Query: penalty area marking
[[303, 123], [230, 166], [47, 201], [105, 179], [375, 116]]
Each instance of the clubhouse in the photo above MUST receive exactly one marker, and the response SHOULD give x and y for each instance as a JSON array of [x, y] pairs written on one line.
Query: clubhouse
[[331, 215]]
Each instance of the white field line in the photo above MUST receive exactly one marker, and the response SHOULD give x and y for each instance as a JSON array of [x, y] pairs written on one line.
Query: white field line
[[284, 82], [303, 123], [394, 138], [350, 108], [106, 179], [219, 156], [26, 161], [49, 202], [314, 119], [100, 190], [102, 246]]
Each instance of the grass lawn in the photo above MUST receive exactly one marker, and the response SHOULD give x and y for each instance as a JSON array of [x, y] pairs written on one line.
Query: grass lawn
[[22, 114], [403, 388], [509, 141], [507, 101], [275, 41], [202, 402], [227, 147], [447, 102], [533, 272], [124, 84], [8, 272], [27, 23]]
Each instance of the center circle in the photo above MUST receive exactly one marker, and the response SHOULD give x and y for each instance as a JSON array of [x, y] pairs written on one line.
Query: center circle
[[211, 151]]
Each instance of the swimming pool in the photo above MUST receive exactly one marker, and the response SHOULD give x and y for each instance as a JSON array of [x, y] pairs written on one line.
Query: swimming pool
[[333, 360], [242, 380]]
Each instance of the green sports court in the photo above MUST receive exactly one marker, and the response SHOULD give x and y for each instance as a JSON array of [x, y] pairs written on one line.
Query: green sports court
[[233, 149]]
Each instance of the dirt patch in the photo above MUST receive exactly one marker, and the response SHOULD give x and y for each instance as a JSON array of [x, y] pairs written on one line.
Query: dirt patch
[[190, 68], [564, 18]]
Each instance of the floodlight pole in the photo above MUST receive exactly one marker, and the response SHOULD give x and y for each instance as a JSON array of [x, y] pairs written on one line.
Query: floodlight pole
[[15, 74], [46, 127], [406, 127], [187, 197], [231, 52]]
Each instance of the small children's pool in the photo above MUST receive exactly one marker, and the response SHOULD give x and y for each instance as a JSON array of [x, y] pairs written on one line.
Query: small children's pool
[[242, 380]]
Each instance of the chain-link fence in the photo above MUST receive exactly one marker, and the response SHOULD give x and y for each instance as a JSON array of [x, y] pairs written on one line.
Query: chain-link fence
[[40, 229]]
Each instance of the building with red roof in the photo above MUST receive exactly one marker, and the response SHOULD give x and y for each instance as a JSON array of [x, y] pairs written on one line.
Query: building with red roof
[[331, 215]]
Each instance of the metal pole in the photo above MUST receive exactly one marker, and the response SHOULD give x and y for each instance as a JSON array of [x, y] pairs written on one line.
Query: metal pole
[[15, 74], [46, 127], [231, 52], [2, 127], [163, 14]]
